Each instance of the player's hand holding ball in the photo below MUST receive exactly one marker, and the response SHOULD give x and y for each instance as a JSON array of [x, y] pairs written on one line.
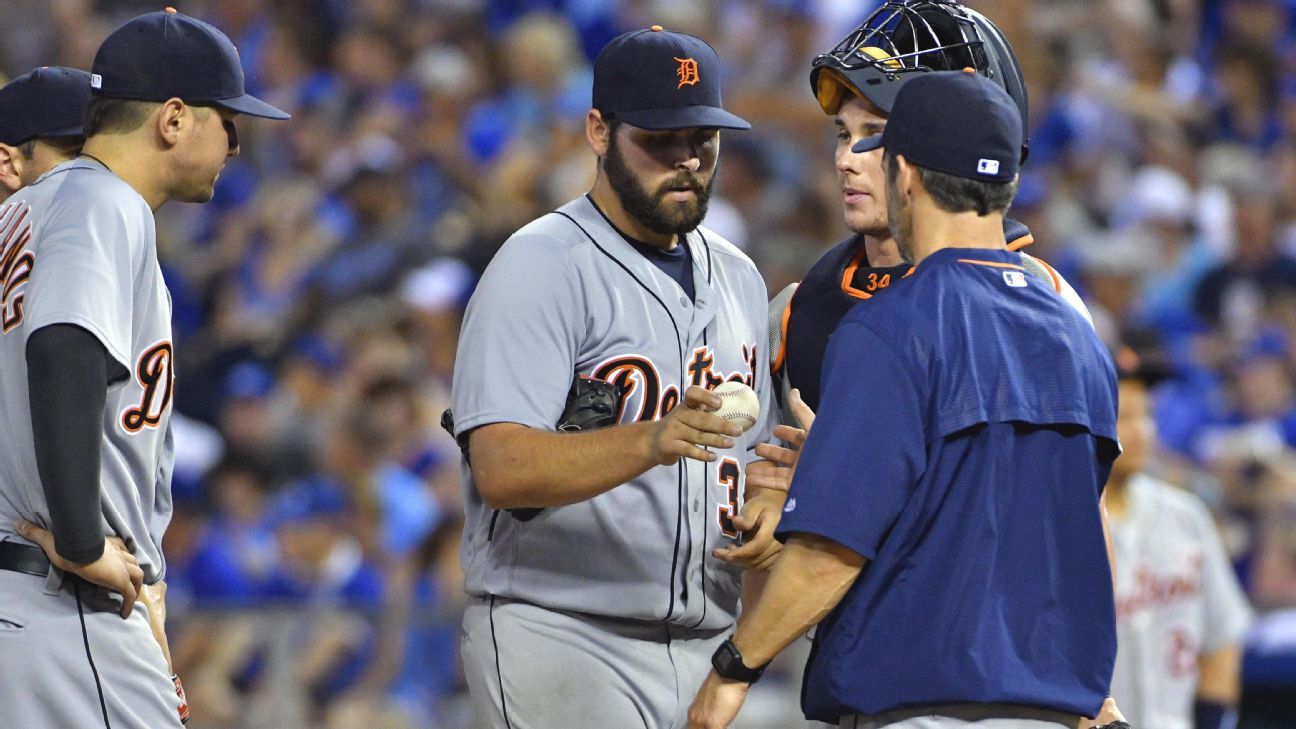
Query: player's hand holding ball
[[693, 424], [739, 404]]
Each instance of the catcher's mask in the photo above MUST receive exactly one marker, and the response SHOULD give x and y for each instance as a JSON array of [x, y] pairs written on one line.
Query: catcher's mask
[[905, 37]]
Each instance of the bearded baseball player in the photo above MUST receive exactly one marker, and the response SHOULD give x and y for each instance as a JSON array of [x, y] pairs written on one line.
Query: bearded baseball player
[[41, 124], [86, 375], [1180, 612], [603, 561]]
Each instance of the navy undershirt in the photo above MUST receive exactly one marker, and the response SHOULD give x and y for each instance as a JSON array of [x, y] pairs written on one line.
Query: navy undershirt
[[676, 263]]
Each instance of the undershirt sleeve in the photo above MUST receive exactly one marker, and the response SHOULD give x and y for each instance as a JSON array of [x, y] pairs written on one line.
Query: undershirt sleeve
[[67, 379]]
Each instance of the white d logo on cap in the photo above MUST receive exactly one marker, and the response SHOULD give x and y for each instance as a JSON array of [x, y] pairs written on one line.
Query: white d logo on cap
[[96, 81], [988, 166]]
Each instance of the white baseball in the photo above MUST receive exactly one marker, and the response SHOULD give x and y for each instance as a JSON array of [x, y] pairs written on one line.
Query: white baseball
[[738, 403]]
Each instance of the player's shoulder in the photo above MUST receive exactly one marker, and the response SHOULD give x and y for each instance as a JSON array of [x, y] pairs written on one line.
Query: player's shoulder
[[1171, 503], [722, 250], [552, 237], [86, 186], [1043, 270]]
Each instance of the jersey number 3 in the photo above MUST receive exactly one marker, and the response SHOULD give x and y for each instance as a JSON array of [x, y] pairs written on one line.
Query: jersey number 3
[[728, 473]]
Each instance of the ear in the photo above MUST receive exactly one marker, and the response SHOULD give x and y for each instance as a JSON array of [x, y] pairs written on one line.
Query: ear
[[597, 133], [173, 118], [11, 165], [906, 179]]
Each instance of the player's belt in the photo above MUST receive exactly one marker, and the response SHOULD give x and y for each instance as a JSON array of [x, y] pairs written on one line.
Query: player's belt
[[18, 557]]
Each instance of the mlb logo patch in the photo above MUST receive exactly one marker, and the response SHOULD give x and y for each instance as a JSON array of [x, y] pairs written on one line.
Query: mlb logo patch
[[96, 81], [1016, 279], [988, 166]]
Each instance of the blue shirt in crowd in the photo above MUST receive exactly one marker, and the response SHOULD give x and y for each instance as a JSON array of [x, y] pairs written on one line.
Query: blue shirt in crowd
[[966, 430]]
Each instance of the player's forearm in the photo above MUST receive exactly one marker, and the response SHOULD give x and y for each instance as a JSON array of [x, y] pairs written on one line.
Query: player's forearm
[[1218, 680], [1107, 538], [811, 576], [519, 467], [67, 375]]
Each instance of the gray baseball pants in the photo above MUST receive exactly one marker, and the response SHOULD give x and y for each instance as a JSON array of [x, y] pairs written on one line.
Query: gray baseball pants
[[532, 668], [68, 659]]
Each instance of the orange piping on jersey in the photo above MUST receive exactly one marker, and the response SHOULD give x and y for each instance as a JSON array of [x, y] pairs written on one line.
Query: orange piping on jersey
[[1057, 280], [996, 264], [1021, 242], [782, 353], [850, 276]]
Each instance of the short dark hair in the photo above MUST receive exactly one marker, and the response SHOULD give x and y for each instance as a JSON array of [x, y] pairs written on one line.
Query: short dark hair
[[27, 149], [955, 194], [115, 116]]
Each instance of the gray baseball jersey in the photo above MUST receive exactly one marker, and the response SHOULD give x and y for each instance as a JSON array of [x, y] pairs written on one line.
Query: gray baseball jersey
[[565, 296], [1176, 599], [79, 248]]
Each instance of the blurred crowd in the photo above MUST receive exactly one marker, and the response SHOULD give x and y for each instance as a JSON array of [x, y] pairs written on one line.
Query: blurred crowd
[[313, 559]]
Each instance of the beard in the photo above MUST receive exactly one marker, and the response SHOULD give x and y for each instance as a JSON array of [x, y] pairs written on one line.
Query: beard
[[899, 219], [650, 207]]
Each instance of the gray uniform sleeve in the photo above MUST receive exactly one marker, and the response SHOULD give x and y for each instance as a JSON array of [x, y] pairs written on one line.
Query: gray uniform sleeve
[[1227, 614], [84, 270], [520, 338]]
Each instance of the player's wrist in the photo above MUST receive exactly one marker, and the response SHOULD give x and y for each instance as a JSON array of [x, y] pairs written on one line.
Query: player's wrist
[[80, 555], [650, 448], [729, 664]]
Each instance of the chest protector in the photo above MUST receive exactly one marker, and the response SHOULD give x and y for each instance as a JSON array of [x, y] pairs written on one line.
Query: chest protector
[[839, 280]]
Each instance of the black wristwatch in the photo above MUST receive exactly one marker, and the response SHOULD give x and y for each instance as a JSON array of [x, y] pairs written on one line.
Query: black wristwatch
[[728, 662]]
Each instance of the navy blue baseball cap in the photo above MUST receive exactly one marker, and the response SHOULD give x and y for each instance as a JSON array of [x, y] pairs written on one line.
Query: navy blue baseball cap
[[161, 55], [48, 102], [661, 80], [955, 122]]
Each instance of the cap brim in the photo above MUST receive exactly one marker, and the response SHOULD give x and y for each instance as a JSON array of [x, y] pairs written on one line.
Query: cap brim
[[683, 117], [867, 144], [252, 106]]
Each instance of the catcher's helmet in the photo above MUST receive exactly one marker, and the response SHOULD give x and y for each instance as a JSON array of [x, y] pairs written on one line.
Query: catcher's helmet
[[904, 37]]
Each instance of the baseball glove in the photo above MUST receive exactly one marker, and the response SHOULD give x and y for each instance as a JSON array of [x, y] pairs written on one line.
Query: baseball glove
[[591, 404]]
